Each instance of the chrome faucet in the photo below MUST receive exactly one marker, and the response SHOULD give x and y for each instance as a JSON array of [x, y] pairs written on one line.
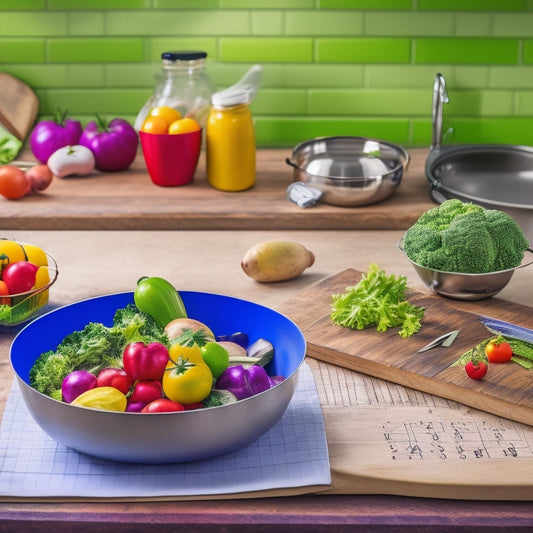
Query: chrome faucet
[[440, 96]]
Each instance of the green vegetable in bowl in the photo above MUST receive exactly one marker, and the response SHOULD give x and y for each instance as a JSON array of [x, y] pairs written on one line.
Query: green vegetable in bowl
[[377, 300], [93, 348], [465, 237]]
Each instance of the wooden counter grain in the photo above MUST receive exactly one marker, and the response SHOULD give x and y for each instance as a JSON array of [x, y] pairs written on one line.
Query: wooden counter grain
[[129, 200]]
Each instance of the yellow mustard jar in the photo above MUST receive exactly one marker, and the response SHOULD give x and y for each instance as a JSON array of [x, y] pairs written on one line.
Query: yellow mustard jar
[[230, 135], [230, 139]]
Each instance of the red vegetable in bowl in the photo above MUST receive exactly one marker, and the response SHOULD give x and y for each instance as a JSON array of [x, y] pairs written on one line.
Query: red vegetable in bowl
[[145, 361], [146, 391], [19, 276], [50, 135], [163, 405], [76, 383], [115, 377], [113, 144], [243, 382]]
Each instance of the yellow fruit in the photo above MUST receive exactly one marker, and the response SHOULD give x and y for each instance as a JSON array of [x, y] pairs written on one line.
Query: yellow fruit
[[168, 114], [42, 279], [35, 255], [270, 261], [184, 125], [11, 251], [156, 125]]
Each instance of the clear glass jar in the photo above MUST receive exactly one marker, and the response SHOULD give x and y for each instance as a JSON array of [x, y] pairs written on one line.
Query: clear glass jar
[[183, 84]]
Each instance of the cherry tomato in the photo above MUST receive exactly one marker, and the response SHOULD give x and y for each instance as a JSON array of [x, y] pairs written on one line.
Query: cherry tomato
[[39, 177], [114, 377], [4, 292], [476, 370], [146, 391], [20, 276], [162, 405], [498, 351], [13, 182], [216, 357]]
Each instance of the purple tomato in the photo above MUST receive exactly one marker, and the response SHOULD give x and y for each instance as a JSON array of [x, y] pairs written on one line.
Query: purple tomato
[[113, 144], [50, 135]]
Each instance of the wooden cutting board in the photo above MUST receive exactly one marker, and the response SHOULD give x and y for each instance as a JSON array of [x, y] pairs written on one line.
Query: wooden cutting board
[[506, 390], [19, 106]]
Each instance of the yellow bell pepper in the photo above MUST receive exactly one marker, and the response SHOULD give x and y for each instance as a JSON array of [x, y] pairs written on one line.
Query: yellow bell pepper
[[105, 398]]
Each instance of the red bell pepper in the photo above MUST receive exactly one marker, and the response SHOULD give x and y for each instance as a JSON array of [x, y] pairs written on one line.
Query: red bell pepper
[[145, 361]]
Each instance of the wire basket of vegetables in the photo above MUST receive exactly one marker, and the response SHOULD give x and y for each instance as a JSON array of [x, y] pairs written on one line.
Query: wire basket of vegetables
[[17, 307]]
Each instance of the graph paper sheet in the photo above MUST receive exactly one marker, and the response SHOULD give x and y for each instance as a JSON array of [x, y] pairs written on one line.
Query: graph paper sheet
[[292, 454]]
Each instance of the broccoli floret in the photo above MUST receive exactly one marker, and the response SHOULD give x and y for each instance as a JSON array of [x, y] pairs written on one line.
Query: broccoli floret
[[135, 325], [93, 348], [465, 237]]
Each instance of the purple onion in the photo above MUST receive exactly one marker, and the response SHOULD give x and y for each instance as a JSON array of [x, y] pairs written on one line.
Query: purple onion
[[135, 407], [243, 382], [275, 380], [76, 383]]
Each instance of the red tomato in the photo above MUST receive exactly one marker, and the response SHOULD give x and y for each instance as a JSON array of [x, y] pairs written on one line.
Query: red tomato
[[162, 405], [146, 391], [20, 276], [39, 177], [13, 182], [4, 291], [476, 370], [498, 351], [114, 377]]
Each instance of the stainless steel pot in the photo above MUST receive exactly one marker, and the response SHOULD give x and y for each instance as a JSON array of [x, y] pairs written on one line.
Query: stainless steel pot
[[349, 171]]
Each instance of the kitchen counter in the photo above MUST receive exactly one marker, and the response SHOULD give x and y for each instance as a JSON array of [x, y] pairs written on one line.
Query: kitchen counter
[[129, 200], [99, 262]]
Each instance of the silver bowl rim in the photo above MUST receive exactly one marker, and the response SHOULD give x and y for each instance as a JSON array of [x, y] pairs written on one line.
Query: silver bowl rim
[[399, 245], [345, 179], [23, 382]]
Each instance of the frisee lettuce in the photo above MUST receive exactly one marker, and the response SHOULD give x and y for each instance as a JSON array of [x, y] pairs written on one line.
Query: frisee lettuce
[[379, 300]]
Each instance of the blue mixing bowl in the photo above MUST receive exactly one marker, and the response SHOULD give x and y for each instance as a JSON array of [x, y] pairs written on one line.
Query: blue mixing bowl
[[162, 437]]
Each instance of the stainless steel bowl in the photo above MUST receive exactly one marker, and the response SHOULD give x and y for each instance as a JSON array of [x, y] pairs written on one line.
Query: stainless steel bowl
[[349, 171], [463, 286], [162, 437]]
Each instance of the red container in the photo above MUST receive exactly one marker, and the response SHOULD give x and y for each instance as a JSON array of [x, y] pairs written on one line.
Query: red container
[[171, 159]]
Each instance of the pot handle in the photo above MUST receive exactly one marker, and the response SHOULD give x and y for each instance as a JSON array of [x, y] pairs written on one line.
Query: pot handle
[[290, 163]]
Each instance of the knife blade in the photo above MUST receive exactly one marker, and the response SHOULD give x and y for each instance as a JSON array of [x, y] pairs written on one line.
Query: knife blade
[[445, 340], [508, 329]]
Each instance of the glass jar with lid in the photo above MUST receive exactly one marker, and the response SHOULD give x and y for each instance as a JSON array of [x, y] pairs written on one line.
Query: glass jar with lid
[[183, 84]]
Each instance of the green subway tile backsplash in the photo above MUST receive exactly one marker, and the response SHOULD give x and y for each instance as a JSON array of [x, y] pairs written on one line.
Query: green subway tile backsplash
[[363, 50], [473, 5], [331, 67], [467, 51], [100, 50], [265, 49]]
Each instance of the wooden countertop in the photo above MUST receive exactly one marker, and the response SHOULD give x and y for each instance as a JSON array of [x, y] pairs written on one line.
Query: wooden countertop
[[129, 200], [186, 258]]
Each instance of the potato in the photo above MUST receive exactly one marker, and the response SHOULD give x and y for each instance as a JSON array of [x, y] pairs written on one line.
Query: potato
[[270, 261]]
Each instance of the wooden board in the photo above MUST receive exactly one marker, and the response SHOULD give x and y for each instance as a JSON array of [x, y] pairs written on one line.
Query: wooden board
[[18, 106], [129, 200], [506, 390]]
